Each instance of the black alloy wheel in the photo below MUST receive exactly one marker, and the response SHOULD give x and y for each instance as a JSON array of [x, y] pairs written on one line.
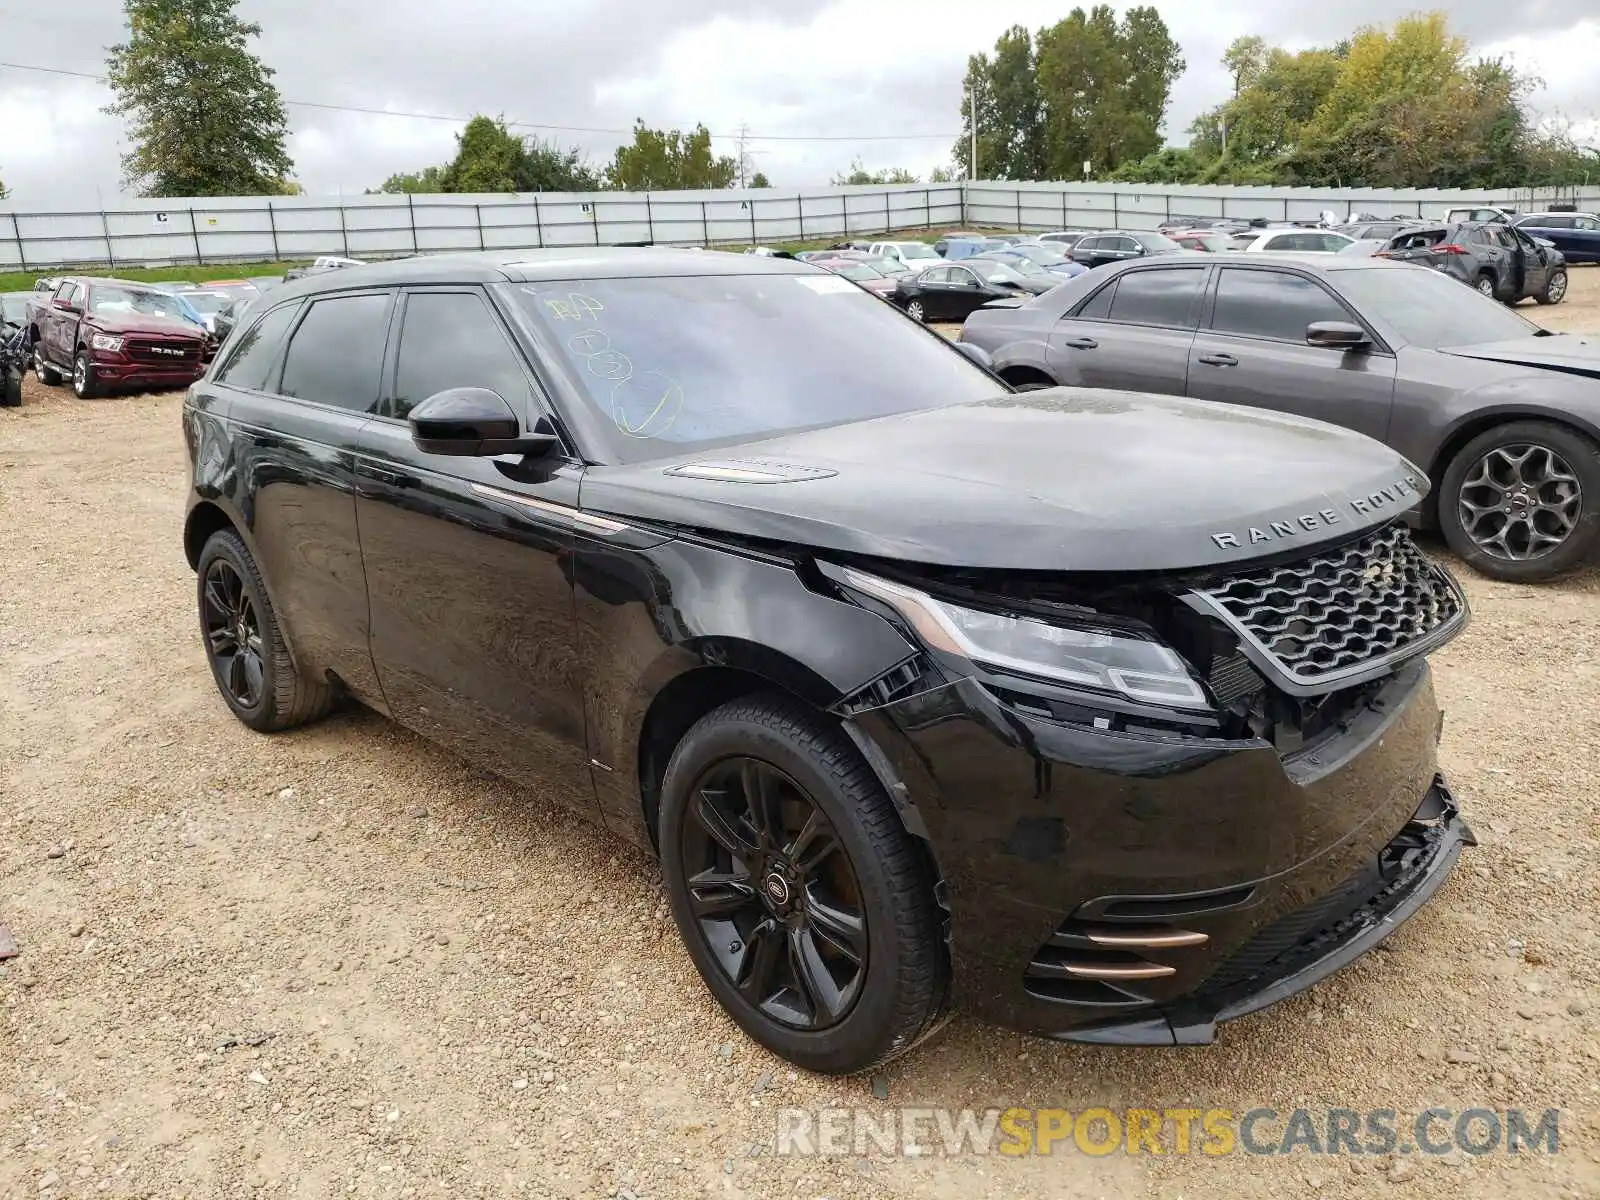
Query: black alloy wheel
[[773, 894], [807, 908], [1520, 502], [233, 634], [245, 648]]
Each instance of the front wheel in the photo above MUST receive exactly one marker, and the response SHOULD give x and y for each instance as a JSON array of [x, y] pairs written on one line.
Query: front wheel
[[1521, 502], [84, 386], [43, 371], [915, 311], [1555, 289], [249, 658], [805, 905]]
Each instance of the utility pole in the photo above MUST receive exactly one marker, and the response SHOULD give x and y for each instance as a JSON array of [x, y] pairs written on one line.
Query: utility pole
[[972, 117], [744, 154]]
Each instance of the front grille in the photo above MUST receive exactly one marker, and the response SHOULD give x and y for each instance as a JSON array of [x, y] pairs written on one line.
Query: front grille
[[149, 351], [1325, 618]]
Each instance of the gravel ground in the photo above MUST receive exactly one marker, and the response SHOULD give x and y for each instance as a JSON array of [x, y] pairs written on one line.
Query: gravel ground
[[342, 962]]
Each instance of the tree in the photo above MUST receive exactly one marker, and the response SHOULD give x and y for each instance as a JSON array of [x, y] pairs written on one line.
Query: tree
[[1005, 91], [418, 183], [859, 176], [487, 157], [950, 174], [669, 159], [759, 180], [205, 118], [1245, 58]]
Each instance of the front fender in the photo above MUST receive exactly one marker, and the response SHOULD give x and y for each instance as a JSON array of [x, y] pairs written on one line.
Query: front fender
[[648, 617]]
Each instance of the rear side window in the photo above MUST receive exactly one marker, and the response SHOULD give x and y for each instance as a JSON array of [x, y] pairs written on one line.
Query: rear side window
[[1271, 304], [1551, 223], [251, 358], [1158, 297], [1099, 306], [336, 355], [452, 340]]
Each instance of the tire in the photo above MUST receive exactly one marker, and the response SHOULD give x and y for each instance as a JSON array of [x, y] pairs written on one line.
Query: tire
[[84, 386], [895, 983], [43, 370], [1486, 286], [1479, 500], [281, 697], [915, 311], [1555, 288]]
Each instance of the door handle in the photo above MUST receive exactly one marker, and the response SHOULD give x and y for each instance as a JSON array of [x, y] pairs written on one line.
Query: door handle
[[397, 479], [1081, 343], [1219, 360]]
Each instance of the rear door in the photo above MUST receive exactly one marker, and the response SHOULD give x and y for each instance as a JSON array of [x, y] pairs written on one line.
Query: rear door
[[933, 288], [1251, 349], [297, 415], [60, 324], [469, 559], [1134, 333]]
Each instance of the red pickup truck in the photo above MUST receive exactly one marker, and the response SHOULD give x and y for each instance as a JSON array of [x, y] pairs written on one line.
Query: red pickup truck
[[109, 333]]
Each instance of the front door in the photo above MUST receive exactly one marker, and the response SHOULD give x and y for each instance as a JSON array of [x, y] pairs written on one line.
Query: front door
[[1533, 260], [469, 561], [1252, 350]]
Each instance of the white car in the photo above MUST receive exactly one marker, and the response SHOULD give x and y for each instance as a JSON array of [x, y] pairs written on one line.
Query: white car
[[1300, 241], [913, 256]]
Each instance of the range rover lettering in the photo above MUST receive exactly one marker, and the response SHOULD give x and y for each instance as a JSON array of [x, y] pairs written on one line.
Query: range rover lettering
[[769, 581]]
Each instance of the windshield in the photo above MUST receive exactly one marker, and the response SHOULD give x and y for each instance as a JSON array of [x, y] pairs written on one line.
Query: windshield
[[1430, 309], [855, 270], [1023, 265], [206, 303], [127, 300], [680, 364], [916, 250], [1039, 254]]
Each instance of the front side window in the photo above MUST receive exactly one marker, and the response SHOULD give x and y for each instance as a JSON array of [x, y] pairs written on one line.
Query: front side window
[[1586, 223], [1158, 297], [251, 358], [1271, 304], [452, 340], [336, 355], [683, 363]]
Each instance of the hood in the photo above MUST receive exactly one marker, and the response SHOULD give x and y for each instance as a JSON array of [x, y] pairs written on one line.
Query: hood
[[1060, 479], [130, 323], [1563, 352], [881, 287]]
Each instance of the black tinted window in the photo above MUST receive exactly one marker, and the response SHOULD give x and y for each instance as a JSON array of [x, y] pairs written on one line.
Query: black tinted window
[[252, 356], [1271, 304], [1099, 306], [1552, 223], [452, 340], [1157, 297], [1089, 244], [336, 355]]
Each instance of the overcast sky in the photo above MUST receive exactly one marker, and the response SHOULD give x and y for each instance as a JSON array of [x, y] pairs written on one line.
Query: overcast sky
[[846, 69]]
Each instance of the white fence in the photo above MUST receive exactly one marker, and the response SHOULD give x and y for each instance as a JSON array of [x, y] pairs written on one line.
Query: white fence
[[258, 229], [1146, 206]]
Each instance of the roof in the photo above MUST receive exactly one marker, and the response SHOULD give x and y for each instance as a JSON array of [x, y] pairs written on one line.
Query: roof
[[1255, 258], [534, 266]]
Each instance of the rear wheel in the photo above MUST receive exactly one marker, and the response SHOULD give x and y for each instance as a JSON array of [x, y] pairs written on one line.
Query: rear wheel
[[915, 311], [802, 900], [1485, 285], [1555, 289], [43, 370], [1521, 502], [249, 658]]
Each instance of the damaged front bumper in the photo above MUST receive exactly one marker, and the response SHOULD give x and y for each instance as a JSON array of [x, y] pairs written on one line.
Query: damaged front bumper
[[1310, 944]]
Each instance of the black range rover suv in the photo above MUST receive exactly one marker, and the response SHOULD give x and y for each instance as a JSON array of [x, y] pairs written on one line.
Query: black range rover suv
[[1103, 715]]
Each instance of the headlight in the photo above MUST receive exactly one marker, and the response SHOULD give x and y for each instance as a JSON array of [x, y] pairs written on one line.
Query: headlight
[[1138, 669], [104, 341]]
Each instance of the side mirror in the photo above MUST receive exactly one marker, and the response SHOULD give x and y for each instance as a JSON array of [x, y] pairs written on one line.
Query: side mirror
[[473, 422], [1336, 335]]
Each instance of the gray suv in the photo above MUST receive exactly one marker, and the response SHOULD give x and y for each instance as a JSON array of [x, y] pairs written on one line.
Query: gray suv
[[1500, 261], [1503, 416]]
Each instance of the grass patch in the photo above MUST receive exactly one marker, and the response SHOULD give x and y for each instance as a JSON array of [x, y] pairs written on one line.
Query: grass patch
[[23, 281]]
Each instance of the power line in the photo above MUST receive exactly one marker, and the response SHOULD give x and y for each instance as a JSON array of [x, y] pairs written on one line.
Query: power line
[[416, 116]]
